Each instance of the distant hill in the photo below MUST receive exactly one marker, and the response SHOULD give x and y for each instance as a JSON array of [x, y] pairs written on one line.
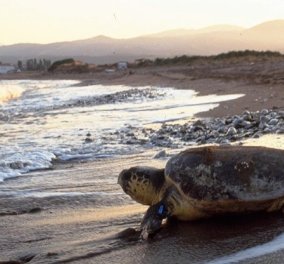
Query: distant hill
[[207, 41], [187, 32]]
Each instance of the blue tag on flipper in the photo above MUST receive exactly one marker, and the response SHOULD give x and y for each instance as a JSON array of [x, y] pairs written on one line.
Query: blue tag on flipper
[[161, 209]]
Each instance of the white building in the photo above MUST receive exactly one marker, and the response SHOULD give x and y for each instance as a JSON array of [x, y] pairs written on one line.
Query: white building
[[6, 68], [122, 65]]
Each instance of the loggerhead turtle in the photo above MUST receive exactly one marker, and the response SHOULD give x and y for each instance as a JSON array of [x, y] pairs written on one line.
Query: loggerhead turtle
[[207, 181]]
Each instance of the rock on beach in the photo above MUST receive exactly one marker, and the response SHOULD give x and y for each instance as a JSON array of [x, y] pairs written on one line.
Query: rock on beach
[[207, 131]]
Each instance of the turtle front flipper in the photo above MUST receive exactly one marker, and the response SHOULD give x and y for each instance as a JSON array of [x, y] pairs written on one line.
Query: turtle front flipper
[[152, 221]]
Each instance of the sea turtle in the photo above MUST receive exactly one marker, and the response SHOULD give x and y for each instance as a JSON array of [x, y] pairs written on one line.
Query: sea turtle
[[207, 181]]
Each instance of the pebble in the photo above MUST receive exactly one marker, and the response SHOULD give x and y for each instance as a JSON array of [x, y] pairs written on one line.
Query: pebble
[[88, 140], [129, 95], [160, 154], [273, 122], [231, 131], [216, 130]]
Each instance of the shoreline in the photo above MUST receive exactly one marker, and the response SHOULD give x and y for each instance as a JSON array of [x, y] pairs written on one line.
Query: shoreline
[[258, 94]]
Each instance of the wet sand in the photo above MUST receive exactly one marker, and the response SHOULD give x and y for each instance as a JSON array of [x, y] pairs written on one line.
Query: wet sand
[[89, 229], [94, 230]]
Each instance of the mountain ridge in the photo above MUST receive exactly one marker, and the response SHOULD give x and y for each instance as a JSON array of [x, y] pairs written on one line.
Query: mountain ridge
[[210, 40]]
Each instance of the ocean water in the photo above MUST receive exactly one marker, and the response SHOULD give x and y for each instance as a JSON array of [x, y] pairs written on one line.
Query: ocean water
[[50, 121]]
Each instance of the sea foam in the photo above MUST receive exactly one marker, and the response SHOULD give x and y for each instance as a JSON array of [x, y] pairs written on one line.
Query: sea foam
[[15, 164]]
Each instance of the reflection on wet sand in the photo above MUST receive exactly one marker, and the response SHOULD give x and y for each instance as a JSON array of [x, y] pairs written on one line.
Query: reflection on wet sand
[[99, 229], [201, 242], [88, 215]]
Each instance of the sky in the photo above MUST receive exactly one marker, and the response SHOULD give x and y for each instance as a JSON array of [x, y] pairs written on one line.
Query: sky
[[46, 21]]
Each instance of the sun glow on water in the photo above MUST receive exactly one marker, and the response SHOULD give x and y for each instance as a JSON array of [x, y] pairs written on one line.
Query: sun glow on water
[[9, 92]]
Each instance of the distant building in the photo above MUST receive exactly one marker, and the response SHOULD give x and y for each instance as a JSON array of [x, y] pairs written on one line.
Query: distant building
[[109, 70], [5, 68], [122, 65]]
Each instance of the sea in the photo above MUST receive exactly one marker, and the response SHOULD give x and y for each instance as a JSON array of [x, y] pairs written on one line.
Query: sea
[[59, 152], [47, 121]]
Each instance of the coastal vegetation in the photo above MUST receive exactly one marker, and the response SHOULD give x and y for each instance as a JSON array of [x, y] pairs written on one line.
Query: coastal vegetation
[[34, 64], [231, 55], [56, 64], [71, 66]]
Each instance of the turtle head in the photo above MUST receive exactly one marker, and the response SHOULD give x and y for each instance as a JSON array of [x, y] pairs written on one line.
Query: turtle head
[[143, 184]]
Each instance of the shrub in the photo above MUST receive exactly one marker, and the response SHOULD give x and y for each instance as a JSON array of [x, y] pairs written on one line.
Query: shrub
[[60, 62]]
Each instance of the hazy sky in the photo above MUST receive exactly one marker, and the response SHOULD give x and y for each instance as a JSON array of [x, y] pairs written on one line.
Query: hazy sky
[[44, 21]]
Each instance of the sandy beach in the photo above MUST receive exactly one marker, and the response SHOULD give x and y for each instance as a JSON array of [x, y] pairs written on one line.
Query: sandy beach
[[71, 230], [56, 230]]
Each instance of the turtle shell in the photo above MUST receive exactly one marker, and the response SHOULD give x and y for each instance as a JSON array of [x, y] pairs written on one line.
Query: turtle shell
[[228, 173]]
